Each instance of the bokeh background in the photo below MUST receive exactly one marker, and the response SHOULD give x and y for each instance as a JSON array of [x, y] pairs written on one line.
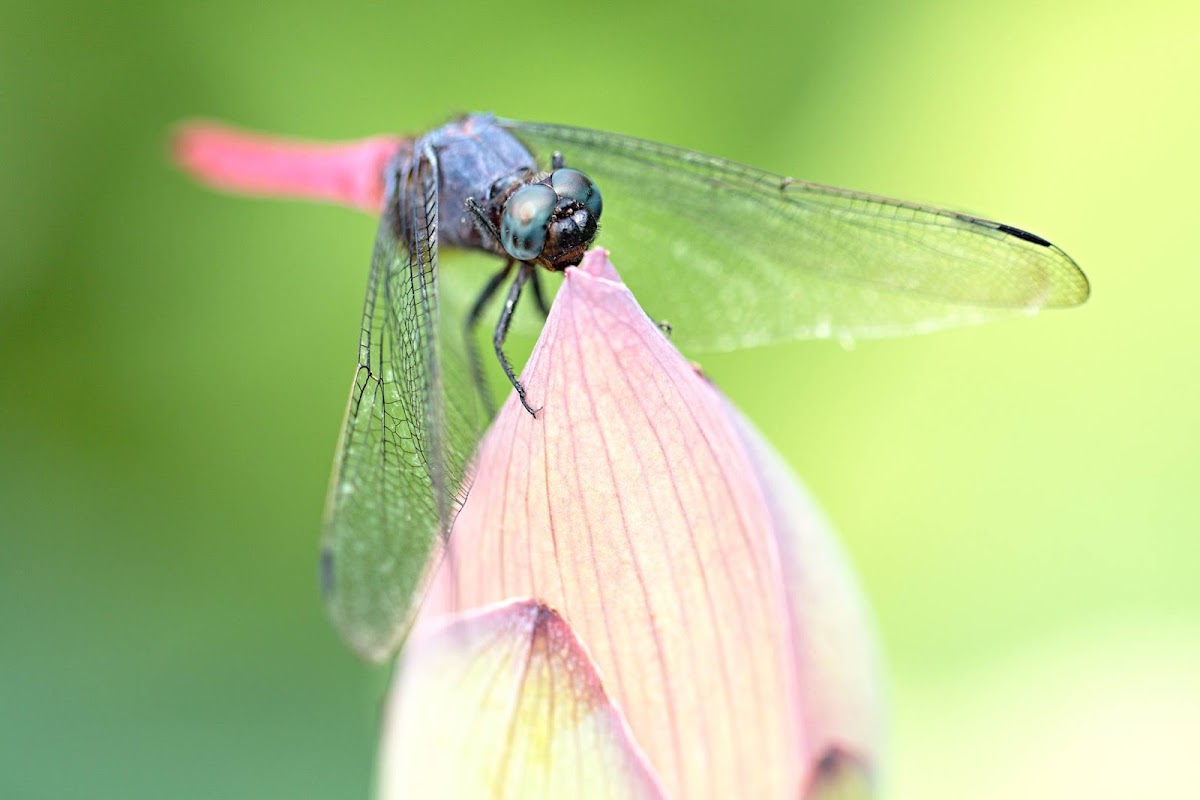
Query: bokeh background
[[1020, 500]]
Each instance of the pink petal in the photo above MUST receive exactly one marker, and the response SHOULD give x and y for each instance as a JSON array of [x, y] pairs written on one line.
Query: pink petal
[[348, 173], [633, 506], [506, 703], [831, 628]]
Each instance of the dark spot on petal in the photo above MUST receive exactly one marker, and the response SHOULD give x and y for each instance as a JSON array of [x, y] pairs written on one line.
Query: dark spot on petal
[[839, 775]]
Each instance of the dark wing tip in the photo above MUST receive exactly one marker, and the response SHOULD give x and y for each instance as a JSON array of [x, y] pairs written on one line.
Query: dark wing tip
[[1079, 288], [1033, 238]]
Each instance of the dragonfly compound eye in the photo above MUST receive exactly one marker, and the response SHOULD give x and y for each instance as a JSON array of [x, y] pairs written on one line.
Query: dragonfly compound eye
[[574, 185], [526, 219]]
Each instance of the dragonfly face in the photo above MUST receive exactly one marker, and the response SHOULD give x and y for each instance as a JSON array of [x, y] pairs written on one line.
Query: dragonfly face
[[552, 222]]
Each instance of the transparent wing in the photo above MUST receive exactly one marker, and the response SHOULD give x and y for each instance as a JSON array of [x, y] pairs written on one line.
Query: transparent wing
[[733, 256], [411, 423]]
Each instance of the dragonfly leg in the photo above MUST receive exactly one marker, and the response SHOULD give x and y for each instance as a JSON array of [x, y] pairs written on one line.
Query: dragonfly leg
[[538, 297], [481, 220], [510, 305], [489, 291]]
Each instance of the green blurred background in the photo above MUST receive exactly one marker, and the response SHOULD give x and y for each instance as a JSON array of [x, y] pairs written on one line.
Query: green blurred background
[[1019, 499]]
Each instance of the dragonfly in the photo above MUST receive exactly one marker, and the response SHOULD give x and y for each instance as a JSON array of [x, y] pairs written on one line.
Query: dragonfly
[[734, 256]]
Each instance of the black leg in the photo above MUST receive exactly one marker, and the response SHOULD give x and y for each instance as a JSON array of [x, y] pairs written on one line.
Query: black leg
[[538, 297], [510, 305], [489, 291], [481, 220]]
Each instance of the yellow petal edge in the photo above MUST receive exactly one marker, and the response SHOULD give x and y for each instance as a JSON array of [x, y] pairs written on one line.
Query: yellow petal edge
[[506, 703]]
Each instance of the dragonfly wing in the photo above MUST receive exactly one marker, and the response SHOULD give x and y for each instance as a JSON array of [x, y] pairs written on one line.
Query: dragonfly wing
[[733, 256], [399, 468]]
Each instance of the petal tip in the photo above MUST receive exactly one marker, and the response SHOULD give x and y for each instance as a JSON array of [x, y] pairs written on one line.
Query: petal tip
[[596, 264], [534, 720]]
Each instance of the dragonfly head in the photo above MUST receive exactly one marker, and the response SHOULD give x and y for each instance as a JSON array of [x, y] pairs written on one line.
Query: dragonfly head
[[552, 221]]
